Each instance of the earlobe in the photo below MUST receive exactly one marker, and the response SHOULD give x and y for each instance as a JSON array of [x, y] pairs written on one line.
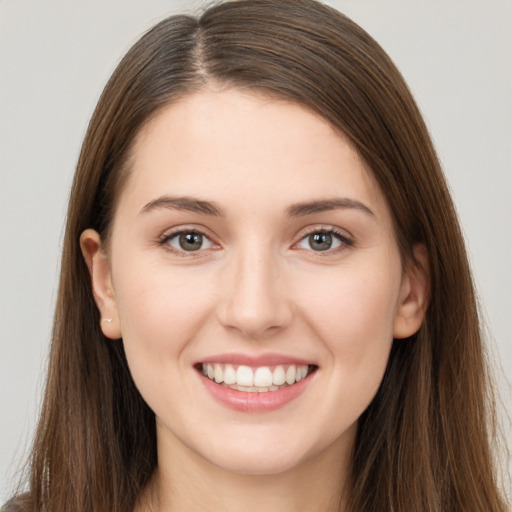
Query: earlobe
[[414, 295], [101, 282]]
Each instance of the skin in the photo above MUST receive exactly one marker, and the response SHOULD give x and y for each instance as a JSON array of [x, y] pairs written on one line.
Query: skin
[[257, 285]]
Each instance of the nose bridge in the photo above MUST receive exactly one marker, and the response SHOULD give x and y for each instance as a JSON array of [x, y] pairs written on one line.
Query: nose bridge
[[254, 298]]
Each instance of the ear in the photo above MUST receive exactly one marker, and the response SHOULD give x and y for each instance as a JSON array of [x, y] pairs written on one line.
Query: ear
[[414, 295], [101, 281]]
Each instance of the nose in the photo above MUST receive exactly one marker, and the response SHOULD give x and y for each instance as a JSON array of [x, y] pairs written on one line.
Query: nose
[[254, 301]]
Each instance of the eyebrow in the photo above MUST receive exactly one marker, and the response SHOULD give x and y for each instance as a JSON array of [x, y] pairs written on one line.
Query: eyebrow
[[302, 209], [184, 203], [311, 207]]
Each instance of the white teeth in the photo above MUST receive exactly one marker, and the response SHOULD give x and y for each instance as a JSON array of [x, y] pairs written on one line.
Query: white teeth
[[290, 375], [250, 389], [302, 371], [218, 373], [244, 376], [261, 379], [229, 375], [279, 376]]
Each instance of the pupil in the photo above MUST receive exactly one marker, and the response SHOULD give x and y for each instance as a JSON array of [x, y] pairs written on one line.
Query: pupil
[[320, 241], [191, 241]]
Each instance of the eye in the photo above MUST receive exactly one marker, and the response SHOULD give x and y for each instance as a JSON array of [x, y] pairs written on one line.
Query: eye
[[188, 241], [323, 240]]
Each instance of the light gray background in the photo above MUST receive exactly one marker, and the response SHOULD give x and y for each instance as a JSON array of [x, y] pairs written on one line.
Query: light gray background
[[55, 57]]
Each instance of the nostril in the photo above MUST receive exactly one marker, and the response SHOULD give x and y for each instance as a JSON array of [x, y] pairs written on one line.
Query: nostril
[[253, 302], [256, 323]]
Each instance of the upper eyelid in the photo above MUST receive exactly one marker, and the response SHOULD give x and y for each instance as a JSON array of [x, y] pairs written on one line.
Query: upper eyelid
[[343, 233], [171, 232]]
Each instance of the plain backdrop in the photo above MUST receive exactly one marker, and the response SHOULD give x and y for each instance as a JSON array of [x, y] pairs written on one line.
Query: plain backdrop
[[55, 57]]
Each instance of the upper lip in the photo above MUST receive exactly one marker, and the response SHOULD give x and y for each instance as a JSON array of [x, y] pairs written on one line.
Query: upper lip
[[267, 359]]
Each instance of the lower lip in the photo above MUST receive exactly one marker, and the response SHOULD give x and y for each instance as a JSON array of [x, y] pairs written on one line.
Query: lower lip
[[255, 402]]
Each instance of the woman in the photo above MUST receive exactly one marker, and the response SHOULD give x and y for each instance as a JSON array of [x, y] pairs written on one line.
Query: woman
[[265, 301]]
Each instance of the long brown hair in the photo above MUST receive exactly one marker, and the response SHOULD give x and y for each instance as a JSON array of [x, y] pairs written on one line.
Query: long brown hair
[[424, 442]]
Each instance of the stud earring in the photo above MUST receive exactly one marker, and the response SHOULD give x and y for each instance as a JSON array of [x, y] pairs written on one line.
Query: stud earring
[[106, 320]]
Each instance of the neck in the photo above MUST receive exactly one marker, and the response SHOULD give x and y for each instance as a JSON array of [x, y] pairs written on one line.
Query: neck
[[186, 481]]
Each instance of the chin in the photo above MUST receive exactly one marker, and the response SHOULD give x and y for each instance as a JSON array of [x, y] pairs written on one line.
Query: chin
[[259, 455], [257, 464]]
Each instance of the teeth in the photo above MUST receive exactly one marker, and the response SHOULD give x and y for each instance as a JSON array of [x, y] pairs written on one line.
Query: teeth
[[302, 371], [229, 375], [279, 376], [244, 376], [218, 373], [261, 379], [289, 376]]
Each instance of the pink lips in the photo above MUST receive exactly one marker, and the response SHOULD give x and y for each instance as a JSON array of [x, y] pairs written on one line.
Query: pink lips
[[255, 402]]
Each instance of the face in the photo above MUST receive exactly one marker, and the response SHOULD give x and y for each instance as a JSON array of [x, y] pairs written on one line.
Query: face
[[252, 244]]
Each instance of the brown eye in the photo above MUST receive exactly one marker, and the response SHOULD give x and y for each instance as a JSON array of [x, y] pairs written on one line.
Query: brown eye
[[320, 241], [323, 241], [188, 241]]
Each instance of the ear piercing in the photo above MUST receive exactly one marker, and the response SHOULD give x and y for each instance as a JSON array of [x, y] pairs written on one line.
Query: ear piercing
[[106, 320]]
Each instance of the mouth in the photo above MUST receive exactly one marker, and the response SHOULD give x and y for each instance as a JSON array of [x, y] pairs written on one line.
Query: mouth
[[259, 379]]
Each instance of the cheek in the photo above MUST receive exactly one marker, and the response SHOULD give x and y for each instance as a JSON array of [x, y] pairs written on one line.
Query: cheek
[[352, 305], [353, 315], [354, 322], [159, 299], [160, 312]]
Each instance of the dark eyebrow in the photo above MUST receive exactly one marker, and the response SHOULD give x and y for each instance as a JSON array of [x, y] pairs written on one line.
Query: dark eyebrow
[[184, 203], [310, 207]]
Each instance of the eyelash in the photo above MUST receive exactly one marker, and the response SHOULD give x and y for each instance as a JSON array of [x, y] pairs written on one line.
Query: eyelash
[[345, 241], [164, 242]]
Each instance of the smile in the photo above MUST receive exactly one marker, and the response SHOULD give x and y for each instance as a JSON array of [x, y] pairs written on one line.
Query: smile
[[255, 385], [260, 379]]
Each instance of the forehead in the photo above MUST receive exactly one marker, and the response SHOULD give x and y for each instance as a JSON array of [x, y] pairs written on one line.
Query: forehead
[[231, 144]]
